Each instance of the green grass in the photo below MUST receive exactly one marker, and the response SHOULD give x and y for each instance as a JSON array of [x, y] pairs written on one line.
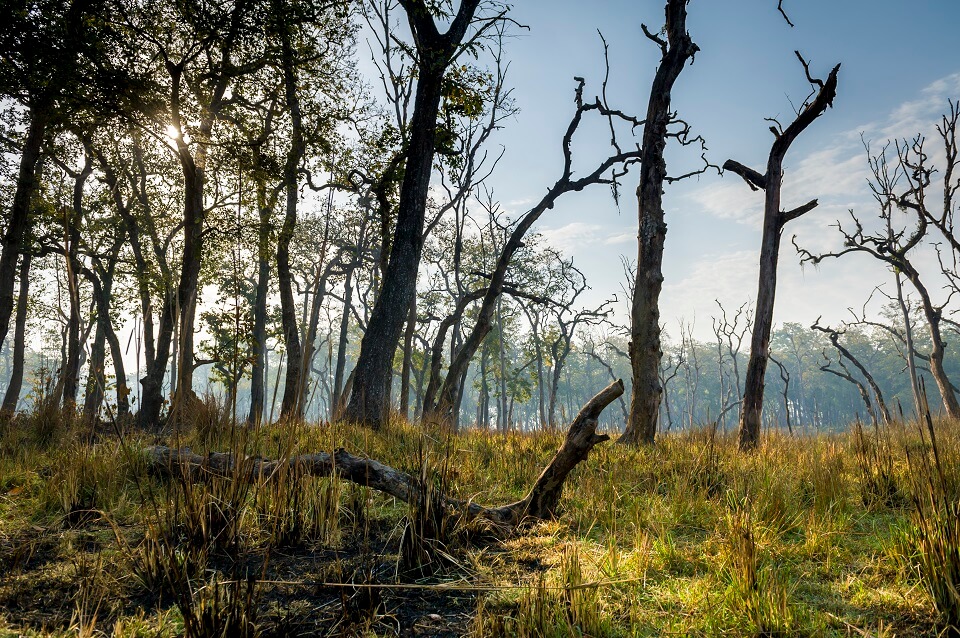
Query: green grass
[[828, 535]]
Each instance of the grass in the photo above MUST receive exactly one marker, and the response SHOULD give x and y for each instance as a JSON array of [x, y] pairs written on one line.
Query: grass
[[826, 535]]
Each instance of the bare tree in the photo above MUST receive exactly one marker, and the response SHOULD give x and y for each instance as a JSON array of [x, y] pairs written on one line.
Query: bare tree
[[730, 332], [893, 245], [608, 171], [645, 348], [774, 219], [845, 353]]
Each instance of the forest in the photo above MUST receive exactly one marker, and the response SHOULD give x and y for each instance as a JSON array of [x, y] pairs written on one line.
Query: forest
[[277, 359]]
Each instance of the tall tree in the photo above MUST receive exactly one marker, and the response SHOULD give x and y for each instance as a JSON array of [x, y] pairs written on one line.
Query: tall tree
[[607, 171], [774, 219], [53, 63], [896, 246], [370, 397], [645, 350]]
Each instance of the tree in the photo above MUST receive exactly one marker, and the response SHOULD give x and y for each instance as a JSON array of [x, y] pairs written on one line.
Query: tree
[[894, 245], [774, 219], [844, 353], [55, 62], [645, 350], [370, 397], [608, 171]]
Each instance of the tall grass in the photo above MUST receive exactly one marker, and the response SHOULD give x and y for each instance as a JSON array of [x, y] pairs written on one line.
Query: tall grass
[[688, 538], [935, 535]]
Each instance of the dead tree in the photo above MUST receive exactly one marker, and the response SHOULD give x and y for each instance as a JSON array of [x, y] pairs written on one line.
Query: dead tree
[[645, 347], [774, 219], [893, 245], [608, 172], [845, 353], [730, 334], [541, 502]]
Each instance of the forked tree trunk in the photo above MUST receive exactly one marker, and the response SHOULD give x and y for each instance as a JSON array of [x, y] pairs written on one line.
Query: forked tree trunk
[[96, 380], [370, 398], [645, 349], [774, 220]]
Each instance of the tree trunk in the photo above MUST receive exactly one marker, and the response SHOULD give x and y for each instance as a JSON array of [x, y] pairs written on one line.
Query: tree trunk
[[188, 289], [72, 222], [288, 313], [15, 237], [937, 349], [645, 348], [752, 408], [102, 285], [12, 397], [319, 292], [540, 503], [911, 352], [257, 381], [151, 402], [133, 231], [370, 399], [408, 359], [342, 345], [773, 222]]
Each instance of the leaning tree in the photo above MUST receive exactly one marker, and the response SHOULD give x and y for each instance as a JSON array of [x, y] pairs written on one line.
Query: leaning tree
[[435, 52]]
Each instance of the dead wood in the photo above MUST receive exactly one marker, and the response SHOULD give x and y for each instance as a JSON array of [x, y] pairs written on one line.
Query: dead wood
[[539, 503]]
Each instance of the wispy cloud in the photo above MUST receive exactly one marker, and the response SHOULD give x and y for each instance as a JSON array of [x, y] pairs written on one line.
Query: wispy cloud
[[575, 237], [836, 174]]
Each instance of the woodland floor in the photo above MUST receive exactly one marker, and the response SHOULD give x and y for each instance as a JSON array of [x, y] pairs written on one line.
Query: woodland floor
[[811, 535]]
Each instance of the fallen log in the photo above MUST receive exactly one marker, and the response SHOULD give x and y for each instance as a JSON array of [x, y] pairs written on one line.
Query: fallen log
[[539, 503]]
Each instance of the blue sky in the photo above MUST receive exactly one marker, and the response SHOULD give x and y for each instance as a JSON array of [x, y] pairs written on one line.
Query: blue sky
[[899, 67]]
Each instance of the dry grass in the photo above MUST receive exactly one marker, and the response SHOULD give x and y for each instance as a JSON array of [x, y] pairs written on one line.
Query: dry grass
[[817, 535]]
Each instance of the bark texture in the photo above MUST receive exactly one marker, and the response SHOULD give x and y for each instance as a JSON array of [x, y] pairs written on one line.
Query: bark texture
[[645, 350]]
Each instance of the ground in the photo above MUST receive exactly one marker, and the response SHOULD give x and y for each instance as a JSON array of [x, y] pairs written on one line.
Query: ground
[[817, 534]]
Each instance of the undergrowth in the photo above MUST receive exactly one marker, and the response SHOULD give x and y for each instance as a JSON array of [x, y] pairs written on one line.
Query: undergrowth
[[843, 534]]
